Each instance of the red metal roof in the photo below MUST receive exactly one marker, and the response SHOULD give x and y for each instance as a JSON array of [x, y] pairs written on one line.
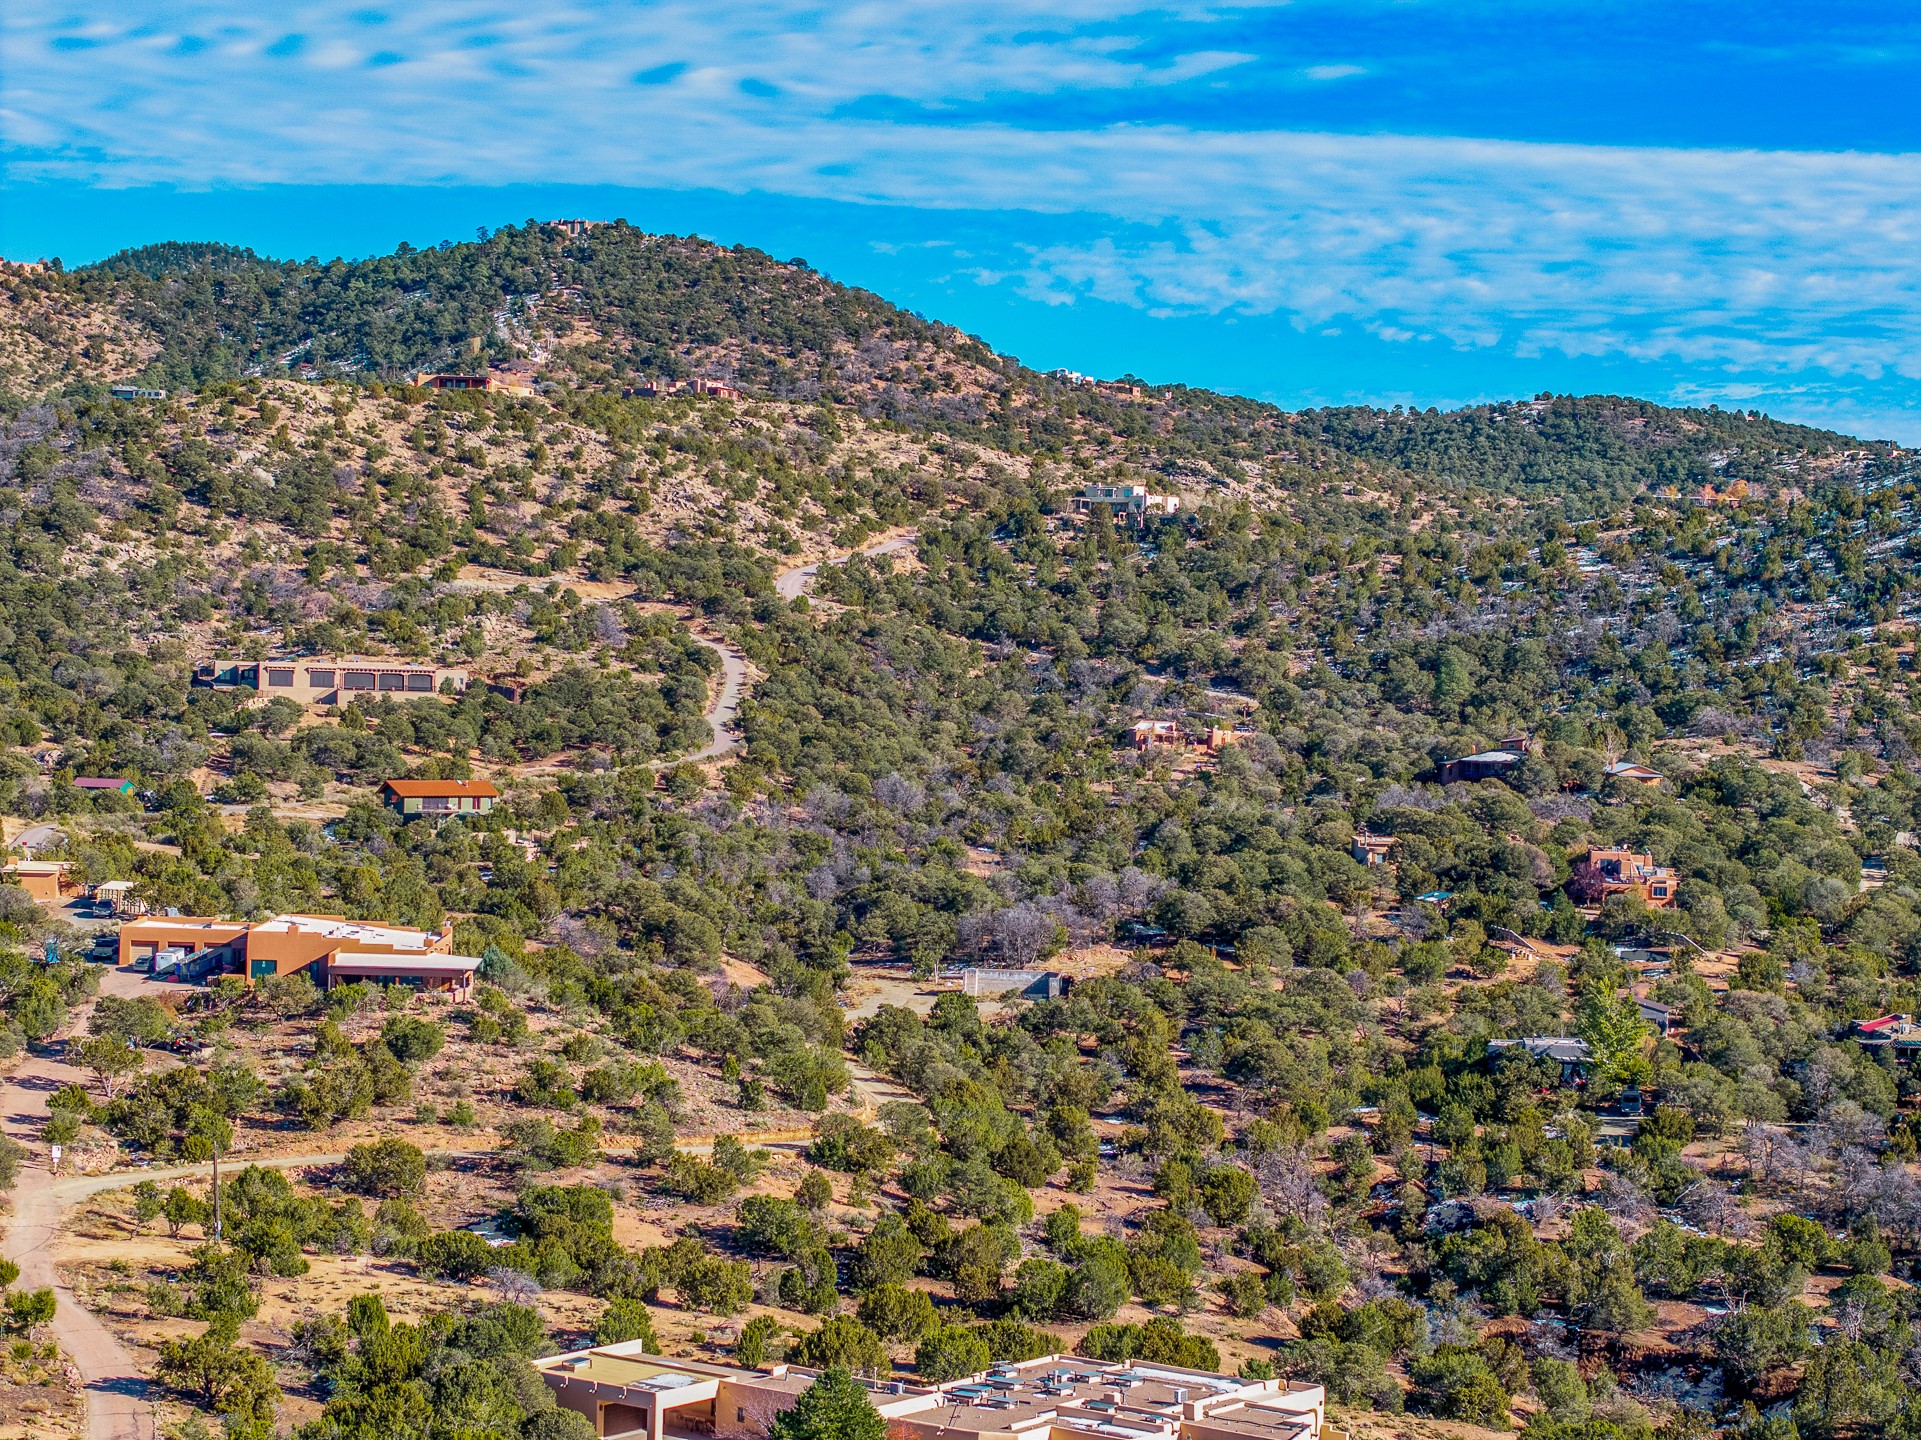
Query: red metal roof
[[452, 789]]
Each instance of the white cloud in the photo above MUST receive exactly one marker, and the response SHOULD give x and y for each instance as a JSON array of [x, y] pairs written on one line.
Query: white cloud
[[1769, 263]]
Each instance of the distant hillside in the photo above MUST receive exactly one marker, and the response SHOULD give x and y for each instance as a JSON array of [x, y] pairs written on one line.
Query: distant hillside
[[610, 306]]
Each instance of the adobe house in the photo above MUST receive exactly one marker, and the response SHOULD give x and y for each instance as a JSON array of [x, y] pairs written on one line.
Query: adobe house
[[44, 880], [624, 1392], [1219, 737], [1130, 504], [411, 799], [331, 680], [1619, 872], [1373, 849], [330, 948], [1157, 735]]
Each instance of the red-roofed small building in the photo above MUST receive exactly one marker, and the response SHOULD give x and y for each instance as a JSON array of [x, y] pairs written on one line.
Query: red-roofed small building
[[411, 799]]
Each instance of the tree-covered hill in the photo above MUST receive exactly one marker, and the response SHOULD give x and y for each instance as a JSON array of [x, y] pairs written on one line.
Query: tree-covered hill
[[605, 308], [1273, 1092]]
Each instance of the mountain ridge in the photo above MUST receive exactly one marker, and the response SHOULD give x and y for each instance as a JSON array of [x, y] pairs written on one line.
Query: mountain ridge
[[605, 308]]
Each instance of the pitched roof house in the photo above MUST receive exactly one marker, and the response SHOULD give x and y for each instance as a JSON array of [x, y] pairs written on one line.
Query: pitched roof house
[[411, 798], [1486, 765], [1628, 770]]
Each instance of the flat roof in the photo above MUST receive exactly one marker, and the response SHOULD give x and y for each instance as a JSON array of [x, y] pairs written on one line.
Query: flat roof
[[1260, 1419], [362, 963], [184, 922], [399, 936], [627, 1364]]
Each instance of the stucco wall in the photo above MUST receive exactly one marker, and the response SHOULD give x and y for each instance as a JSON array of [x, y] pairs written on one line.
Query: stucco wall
[[760, 1405]]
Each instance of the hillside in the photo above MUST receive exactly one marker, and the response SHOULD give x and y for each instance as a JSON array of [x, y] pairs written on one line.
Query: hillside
[[611, 305], [1211, 766]]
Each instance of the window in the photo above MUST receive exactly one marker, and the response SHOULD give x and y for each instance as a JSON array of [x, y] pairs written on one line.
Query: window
[[321, 679], [421, 681], [360, 679], [279, 677], [392, 680], [436, 803], [740, 1414]]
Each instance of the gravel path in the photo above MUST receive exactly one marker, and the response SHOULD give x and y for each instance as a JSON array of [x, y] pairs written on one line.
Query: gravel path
[[789, 585]]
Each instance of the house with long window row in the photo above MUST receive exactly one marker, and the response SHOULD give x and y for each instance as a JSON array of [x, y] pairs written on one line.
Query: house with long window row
[[332, 680], [446, 799]]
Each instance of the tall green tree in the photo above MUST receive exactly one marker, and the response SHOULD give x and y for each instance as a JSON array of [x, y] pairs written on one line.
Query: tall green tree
[[834, 1407]]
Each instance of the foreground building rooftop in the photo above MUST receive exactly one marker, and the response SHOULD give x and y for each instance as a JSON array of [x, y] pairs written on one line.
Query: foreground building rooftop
[[626, 1392]]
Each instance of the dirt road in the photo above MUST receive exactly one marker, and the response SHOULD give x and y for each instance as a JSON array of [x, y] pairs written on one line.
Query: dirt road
[[116, 1409], [116, 1390], [789, 584]]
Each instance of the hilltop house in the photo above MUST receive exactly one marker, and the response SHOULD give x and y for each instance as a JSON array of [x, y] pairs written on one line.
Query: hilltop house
[[1628, 771], [103, 782], [626, 1392], [1620, 872], [331, 679], [411, 799], [1373, 849], [1484, 765], [330, 948], [1570, 1053], [1130, 504]]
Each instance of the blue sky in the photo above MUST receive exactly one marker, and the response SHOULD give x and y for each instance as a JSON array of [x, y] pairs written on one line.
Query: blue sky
[[1399, 201]]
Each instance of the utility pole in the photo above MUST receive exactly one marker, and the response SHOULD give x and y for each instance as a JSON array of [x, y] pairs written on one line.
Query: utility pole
[[216, 1191]]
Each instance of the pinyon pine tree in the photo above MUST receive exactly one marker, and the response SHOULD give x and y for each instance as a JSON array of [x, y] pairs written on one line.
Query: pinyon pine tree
[[834, 1407]]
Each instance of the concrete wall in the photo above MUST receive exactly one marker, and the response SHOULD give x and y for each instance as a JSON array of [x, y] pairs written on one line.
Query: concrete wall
[[1042, 984]]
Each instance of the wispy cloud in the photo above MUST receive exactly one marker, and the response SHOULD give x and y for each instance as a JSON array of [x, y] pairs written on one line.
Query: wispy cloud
[[1740, 263]]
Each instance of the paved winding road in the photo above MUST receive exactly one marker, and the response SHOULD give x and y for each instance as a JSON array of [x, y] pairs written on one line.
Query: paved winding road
[[789, 585], [725, 710]]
